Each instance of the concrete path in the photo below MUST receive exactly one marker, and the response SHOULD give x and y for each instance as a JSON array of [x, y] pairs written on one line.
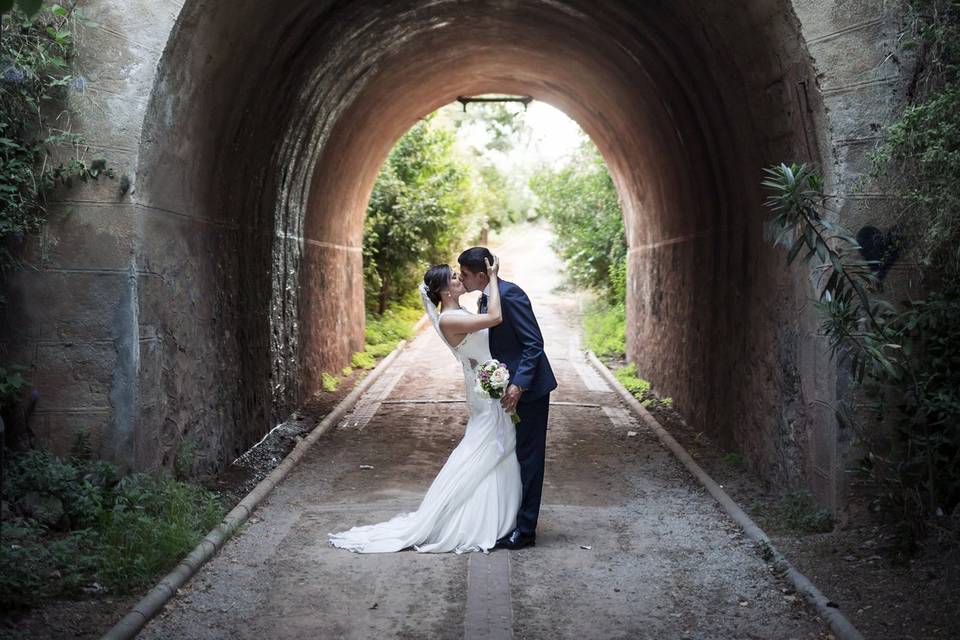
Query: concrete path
[[629, 546]]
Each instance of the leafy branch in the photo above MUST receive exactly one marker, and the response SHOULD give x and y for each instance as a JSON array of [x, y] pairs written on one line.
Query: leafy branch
[[854, 323], [907, 360]]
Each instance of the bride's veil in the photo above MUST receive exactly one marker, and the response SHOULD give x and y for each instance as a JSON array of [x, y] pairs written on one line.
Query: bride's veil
[[432, 313]]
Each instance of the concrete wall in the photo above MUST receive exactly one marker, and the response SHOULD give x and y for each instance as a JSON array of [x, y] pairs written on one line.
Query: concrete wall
[[205, 303]]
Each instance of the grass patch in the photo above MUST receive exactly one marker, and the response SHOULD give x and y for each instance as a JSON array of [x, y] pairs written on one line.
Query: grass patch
[[640, 388], [383, 332], [634, 384], [77, 526], [733, 458], [329, 382], [605, 329], [798, 511], [363, 360]]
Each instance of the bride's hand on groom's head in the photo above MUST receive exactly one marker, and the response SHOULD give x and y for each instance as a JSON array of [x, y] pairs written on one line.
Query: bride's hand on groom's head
[[494, 267]]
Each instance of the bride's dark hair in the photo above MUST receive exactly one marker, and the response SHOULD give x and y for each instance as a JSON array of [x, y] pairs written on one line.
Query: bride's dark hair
[[436, 279]]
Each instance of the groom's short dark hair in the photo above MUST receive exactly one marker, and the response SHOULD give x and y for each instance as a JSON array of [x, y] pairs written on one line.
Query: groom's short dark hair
[[475, 259]]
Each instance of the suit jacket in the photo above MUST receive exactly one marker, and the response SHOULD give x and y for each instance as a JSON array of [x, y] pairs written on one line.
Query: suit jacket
[[518, 343]]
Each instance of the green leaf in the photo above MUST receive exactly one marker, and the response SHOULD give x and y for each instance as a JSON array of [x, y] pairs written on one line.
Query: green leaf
[[795, 249], [6, 5]]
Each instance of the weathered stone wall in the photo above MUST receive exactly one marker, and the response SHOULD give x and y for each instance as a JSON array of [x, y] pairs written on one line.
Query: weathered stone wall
[[206, 302], [864, 77], [75, 315]]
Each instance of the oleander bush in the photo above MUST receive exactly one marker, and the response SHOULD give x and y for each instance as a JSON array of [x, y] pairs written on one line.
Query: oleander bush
[[905, 358]]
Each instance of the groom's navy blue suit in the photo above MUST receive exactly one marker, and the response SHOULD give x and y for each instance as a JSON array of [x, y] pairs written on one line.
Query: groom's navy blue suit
[[518, 343]]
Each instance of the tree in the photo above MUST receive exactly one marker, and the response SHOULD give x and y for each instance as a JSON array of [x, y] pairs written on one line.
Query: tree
[[416, 214], [580, 201]]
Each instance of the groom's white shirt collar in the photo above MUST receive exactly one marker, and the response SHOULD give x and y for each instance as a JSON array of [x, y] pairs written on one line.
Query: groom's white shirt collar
[[486, 290]]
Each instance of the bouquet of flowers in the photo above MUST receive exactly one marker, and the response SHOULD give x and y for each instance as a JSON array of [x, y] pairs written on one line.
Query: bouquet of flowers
[[492, 380]]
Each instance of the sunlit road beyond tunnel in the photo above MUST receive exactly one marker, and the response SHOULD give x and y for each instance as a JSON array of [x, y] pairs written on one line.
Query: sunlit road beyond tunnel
[[629, 545]]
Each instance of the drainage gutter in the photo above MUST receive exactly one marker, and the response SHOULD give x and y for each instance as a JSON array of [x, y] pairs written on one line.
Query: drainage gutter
[[841, 627], [155, 599]]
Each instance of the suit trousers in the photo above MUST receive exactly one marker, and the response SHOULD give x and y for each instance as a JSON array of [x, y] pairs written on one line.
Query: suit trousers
[[531, 452]]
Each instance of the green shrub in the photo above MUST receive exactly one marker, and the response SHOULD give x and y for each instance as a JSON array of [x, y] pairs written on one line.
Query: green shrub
[[635, 385], [186, 456], [416, 215], [384, 331], [154, 521], [798, 510], [82, 487], [119, 533], [35, 566], [640, 388], [904, 358], [11, 382], [329, 382], [38, 155], [381, 350], [605, 329], [363, 360], [580, 201], [395, 324]]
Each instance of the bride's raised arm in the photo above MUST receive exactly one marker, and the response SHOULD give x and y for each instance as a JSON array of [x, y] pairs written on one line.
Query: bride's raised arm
[[456, 326]]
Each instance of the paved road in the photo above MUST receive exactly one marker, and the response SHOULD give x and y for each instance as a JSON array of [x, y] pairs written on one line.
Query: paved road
[[629, 545]]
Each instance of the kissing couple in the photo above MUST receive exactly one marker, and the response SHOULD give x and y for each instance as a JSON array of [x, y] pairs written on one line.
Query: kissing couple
[[487, 495]]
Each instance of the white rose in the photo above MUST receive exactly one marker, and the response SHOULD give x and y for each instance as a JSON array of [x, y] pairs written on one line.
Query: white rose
[[500, 378]]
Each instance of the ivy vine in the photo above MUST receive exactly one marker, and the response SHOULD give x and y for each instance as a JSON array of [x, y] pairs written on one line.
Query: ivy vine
[[38, 153]]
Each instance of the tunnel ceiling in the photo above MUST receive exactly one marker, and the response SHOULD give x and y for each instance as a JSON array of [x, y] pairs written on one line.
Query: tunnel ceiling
[[327, 88]]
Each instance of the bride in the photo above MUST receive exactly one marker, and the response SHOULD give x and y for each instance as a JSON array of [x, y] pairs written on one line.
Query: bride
[[474, 499]]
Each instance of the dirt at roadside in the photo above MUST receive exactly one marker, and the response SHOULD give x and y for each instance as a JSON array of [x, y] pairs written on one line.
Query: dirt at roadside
[[238, 479], [886, 594]]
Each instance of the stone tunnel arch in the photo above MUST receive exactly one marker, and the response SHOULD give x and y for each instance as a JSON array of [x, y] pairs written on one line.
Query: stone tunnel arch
[[201, 303], [268, 123]]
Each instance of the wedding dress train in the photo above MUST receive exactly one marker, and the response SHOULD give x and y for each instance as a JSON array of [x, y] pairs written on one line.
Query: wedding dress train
[[474, 499]]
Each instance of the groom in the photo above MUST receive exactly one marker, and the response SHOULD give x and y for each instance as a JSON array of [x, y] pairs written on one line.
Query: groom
[[518, 343]]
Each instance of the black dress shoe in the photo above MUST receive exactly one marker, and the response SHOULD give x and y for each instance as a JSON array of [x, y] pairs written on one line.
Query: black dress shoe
[[517, 540]]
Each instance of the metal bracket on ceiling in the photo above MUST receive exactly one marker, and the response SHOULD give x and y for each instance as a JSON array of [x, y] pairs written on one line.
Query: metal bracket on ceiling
[[465, 100]]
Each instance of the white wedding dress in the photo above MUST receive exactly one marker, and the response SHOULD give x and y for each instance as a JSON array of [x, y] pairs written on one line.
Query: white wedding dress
[[474, 499]]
